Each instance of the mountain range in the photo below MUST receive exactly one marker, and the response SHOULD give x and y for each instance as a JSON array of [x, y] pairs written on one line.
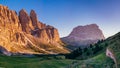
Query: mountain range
[[23, 33]]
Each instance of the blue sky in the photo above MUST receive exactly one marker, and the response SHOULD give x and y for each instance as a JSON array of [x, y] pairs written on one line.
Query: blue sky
[[67, 14]]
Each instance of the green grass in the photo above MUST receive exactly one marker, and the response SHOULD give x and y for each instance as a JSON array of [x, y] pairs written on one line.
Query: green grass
[[50, 62], [99, 61], [34, 62]]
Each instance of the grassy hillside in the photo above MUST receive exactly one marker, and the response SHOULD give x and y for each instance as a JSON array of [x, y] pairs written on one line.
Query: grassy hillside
[[99, 59], [114, 46]]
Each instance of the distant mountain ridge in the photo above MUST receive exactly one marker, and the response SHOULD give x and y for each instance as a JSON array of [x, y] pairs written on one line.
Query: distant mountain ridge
[[25, 34], [84, 35]]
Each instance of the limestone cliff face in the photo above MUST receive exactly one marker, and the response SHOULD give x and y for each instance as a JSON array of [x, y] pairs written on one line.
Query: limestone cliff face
[[9, 26], [47, 34], [84, 35], [25, 34]]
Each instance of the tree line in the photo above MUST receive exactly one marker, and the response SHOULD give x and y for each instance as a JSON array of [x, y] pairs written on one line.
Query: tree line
[[86, 52]]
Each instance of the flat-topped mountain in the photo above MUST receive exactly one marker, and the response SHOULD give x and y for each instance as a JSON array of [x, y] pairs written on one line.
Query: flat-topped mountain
[[84, 35], [23, 33]]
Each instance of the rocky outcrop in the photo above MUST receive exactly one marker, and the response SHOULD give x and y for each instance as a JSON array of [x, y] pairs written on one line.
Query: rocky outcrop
[[110, 54], [25, 34], [4, 51], [25, 21], [84, 35], [34, 19]]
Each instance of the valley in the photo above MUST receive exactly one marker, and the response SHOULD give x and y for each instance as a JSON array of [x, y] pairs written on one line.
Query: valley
[[31, 40]]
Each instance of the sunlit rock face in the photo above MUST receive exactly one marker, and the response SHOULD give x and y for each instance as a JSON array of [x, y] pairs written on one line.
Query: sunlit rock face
[[25, 21], [84, 35], [23, 33]]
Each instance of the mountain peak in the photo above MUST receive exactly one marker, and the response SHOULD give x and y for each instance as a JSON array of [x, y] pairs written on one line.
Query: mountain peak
[[84, 35], [34, 19], [23, 11], [88, 26]]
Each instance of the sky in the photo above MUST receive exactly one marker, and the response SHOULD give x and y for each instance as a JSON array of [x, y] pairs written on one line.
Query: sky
[[67, 14]]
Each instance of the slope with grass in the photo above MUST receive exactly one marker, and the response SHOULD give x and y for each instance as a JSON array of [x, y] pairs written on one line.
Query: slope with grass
[[99, 59]]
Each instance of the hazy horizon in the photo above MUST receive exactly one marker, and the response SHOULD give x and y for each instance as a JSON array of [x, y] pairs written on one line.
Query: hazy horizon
[[67, 14]]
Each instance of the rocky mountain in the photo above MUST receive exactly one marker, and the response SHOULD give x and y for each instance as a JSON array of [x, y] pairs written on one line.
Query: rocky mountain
[[84, 35], [23, 33]]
